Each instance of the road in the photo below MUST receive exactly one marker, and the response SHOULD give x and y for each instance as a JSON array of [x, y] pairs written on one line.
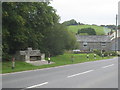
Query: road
[[95, 74]]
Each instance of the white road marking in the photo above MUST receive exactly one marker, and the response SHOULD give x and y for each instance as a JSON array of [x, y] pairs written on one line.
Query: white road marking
[[38, 85], [108, 66], [80, 73]]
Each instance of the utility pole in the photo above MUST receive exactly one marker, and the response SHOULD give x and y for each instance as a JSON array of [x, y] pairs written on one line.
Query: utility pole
[[116, 34]]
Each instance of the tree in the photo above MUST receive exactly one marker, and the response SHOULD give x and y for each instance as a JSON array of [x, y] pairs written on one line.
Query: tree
[[70, 22], [24, 25], [59, 39], [90, 31], [111, 27], [36, 25]]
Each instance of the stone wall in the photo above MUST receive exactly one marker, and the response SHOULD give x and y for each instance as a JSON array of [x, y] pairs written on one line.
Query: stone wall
[[94, 45]]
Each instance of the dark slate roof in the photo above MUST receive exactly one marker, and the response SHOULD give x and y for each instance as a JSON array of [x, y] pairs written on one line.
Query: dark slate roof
[[93, 38]]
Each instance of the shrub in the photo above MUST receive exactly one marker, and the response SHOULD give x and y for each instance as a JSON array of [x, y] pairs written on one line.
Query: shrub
[[89, 31], [106, 53], [113, 53], [98, 52], [6, 57]]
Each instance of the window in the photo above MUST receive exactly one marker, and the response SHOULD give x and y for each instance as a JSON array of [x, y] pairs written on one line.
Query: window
[[103, 44], [85, 44]]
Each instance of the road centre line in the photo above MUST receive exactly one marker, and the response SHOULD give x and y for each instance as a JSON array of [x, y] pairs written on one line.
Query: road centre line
[[108, 66], [79, 74], [37, 85]]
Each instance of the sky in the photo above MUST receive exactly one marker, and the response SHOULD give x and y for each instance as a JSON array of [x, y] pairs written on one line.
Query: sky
[[100, 12]]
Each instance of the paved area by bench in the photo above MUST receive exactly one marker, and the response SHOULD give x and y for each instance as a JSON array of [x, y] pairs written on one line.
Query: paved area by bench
[[38, 63]]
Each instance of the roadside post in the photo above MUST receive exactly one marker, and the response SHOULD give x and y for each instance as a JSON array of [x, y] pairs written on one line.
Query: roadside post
[[72, 58], [87, 56], [102, 55], [49, 59], [94, 56], [13, 63]]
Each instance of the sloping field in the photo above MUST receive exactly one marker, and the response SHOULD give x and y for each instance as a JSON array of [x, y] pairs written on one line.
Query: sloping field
[[99, 30]]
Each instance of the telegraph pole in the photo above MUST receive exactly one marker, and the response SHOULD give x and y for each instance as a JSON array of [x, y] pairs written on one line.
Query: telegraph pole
[[116, 34]]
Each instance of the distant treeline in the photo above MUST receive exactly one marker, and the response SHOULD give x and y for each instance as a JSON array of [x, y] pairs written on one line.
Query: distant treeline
[[72, 22], [113, 27]]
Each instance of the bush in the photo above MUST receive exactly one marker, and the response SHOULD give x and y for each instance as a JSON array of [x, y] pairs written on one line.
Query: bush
[[106, 53], [6, 57], [89, 31], [113, 53], [98, 52]]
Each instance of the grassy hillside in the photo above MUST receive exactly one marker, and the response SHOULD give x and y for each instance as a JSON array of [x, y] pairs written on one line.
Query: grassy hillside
[[106, 30], [99, 30]]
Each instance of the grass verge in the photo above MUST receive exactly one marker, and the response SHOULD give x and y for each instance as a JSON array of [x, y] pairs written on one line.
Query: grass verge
[[59, 60]]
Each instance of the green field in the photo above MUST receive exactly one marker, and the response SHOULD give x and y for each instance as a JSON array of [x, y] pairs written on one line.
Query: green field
[[99, 30], [59, 60]]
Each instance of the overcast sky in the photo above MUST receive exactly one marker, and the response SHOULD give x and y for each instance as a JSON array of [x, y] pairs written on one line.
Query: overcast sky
[[87, 11]]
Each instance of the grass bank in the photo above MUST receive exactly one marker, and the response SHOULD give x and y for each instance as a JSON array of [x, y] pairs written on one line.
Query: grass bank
[[59, 60], [99, 30]]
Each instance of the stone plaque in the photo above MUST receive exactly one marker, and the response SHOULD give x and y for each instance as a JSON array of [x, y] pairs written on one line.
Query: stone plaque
[[22, 53]]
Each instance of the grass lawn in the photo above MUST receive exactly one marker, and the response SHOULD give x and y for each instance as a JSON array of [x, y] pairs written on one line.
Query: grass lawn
[[59, 60], [106, 30], [99, 30]]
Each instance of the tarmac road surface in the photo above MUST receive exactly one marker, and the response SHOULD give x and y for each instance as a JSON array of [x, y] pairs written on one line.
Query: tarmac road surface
[[94, 74]]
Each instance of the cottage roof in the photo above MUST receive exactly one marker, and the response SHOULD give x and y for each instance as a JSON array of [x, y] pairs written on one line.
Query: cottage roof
[[93, 38]]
